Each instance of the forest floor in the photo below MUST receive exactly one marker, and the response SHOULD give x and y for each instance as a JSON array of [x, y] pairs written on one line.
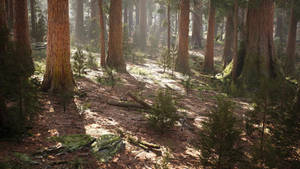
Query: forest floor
[[89, 113]]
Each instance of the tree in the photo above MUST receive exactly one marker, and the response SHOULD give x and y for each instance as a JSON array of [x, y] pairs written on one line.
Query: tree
[[102, 34], [79, 29], [228, 50], [58, 76], [235, 40], [197, 33], [209, 54], [182, 61], [33, 18], [22, 40], [259, 56], [291, 44], [115, 57], [143, 24], [93, 31]]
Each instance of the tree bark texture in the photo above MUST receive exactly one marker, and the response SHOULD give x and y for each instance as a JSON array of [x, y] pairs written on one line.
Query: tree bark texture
[[143, 24], [115, 57], [79, 29], [22, 38], [209, 54], [182, 61], [102, 34], [58, 76], [228, 46], [33, 18], [197, 33]]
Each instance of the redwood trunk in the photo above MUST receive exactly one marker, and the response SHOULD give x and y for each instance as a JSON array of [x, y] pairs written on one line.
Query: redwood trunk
[[197, 25], [235, 40], [130, 18], [21, 28], [115, 57], [58, 76], [182, 61], [94, 32], [209, 55], [143, 24], [291, 44], [229, 39], [102, 34], [33, 18], [259, 56], [79, 21]]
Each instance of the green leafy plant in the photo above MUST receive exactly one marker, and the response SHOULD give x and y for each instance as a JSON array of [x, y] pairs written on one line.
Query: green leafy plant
[[220, 138], [91, 61], [164, 113], [109, 78], [79, 65]]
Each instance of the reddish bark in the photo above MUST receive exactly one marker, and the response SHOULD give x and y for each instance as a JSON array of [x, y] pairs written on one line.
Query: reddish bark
[[102, 34], [209, 55], [115, 57], [197, 33], [228, 46], [182, 61]]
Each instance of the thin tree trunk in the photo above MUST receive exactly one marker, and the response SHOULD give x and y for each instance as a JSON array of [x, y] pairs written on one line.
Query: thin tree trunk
[[182, 61], [94, 32], [259, 57], [143, 24], [209, 55], [58, 76], [169, 27], [79, 21], [197, 33], [130, 18], [102, 34], [115, 57], [228, 46], [150, 11], [291, 44], [21, 29], [235, 40], [33, 18], [125, 14]]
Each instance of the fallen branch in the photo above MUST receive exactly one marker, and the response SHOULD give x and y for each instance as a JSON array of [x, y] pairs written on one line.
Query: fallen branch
[[145, 145], [124, 104], [140, 101]]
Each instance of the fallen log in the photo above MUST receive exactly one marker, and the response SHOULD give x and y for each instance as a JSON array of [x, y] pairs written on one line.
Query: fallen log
[[140, 101], [124, 104]]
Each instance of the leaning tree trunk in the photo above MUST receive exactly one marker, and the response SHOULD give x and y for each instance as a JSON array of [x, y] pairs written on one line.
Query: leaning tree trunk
[[259, 55], [79, 35], [197, 33], [291, 44], [228, 50], [33, 18], [209, 55], [102, 34], [115, 57], [58, 76], [143, 24], [182, 61], [22, 39]]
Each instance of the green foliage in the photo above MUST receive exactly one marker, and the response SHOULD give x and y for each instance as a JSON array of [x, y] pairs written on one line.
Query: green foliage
[[74, 142], [164, 114], [106, 147], [79, 65], [220, 138], [91, 61], [109, 78]]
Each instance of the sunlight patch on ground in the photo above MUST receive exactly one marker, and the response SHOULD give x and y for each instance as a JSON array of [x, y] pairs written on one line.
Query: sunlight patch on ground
[[96, 130]]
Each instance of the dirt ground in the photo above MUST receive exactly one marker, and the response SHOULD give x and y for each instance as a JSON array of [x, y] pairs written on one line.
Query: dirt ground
[[91, 114]]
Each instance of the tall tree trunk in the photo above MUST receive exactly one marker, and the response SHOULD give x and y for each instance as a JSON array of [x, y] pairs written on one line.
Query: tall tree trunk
[[102, 34], [197, 33], [3, 51], [21, 29], [143, 24], [235, 40], [182, 61], [94, 32], [228, 46], [115, 57], [130, 18], [259, 56], [79, 30], [58, 76], [125, 14], [280, 25], [137, 13], [150, 11], [33, 18], [209, 55], [291, 44], [10, 13], [169, 27]]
